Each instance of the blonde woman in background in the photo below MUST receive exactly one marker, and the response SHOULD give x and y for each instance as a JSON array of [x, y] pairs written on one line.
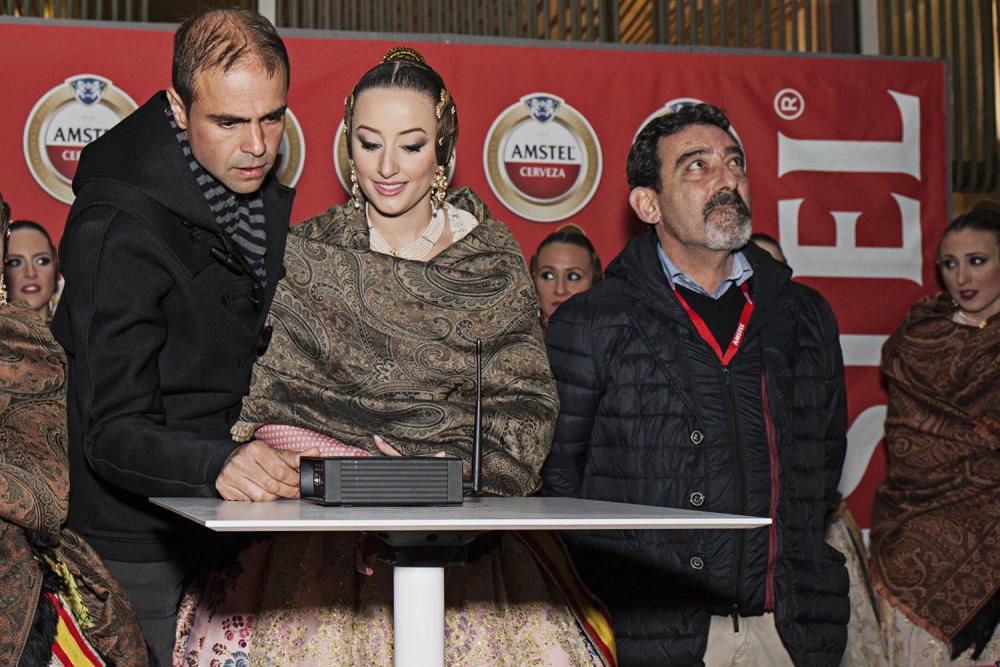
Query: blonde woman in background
[[564, 264]]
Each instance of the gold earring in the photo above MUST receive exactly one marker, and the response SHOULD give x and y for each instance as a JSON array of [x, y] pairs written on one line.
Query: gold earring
[[4, 240], [356, 197], [439, 188], [53, 301]]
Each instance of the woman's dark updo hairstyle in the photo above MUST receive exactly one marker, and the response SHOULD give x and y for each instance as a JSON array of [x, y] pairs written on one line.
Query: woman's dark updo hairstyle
[[34, 226], [573, 235], [985, 217], [402, 67]]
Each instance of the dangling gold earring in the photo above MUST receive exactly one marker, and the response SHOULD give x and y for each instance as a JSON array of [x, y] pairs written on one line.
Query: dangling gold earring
[[439, 188], [4, 240], [54, 300], [356, 198]]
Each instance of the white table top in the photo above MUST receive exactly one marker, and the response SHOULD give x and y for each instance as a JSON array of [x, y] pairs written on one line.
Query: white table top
[[485, 513]]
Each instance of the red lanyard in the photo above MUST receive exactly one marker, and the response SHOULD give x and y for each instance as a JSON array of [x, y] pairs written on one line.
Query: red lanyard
[[707, 335]]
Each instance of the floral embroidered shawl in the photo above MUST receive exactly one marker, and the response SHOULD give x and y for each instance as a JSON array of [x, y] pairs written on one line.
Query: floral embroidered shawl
[[368, 344], [936, 524]]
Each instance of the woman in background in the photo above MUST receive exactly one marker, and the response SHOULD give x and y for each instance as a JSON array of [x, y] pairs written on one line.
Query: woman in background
[[60, 605], [31, 268], [373, 353], [935, 536], [564, 264]]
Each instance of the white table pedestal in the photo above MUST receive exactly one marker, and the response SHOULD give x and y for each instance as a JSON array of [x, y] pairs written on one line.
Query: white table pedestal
[[418, 616]]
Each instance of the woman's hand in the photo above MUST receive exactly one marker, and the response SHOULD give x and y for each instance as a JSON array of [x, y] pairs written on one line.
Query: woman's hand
[[384, 446]]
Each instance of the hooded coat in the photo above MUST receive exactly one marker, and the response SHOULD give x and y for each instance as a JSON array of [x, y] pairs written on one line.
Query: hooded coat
[[650, 416], [161, 321]]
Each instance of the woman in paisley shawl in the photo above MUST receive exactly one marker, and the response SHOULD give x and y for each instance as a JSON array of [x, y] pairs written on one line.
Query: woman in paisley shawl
[[373, 352], [936, 522], [58, 604]]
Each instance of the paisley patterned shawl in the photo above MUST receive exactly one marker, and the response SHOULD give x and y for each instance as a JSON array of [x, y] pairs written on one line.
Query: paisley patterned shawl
[[367, 344], [34, 496], [936, 522], [34, 469]]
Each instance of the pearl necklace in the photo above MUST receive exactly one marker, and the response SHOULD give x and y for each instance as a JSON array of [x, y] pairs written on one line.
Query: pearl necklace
[[961, 317], [417, 249]]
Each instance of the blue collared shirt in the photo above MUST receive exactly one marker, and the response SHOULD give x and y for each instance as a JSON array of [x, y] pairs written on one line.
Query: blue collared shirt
[[740, 274]]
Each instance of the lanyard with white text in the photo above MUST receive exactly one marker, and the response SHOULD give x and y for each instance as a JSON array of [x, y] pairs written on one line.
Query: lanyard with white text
[[707, 335]]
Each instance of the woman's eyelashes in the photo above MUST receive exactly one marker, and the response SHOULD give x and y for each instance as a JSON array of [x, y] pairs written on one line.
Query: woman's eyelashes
[[950, 263], [372, 146], [571, 276]]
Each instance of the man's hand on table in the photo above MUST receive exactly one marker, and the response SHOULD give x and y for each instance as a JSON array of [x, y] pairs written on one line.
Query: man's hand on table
[[258, 472]]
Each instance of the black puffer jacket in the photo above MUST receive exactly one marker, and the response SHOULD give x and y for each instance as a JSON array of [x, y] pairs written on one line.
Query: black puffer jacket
[[161, 322], [650, 416]]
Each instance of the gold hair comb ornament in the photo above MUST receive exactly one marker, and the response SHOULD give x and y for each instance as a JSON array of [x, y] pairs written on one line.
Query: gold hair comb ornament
[[442, 103], [403, 53]]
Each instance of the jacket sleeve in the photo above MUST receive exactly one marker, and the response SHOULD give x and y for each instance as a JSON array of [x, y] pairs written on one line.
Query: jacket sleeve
[[820, 397], [118, 279], [571, 354], [836, 401]]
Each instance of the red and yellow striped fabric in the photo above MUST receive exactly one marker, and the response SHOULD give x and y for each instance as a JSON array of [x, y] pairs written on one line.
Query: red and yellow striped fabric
[[70, 648], [589, 610]]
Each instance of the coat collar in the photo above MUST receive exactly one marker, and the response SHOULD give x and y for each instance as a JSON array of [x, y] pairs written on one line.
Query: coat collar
[[159, 171], [640, 266]]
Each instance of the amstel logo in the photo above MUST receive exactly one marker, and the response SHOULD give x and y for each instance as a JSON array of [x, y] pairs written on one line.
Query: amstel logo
[[291, 152], [63, 121], [342, 164], [542, 158]]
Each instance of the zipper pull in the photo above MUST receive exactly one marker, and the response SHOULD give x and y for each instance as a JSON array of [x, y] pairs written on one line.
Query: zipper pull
[[736, 617]]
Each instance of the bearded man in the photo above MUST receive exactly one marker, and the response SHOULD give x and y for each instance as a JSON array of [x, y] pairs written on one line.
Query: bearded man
[[698, 375]]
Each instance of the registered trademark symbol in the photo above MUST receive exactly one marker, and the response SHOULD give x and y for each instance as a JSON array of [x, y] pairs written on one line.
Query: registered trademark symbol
[[789, 103]]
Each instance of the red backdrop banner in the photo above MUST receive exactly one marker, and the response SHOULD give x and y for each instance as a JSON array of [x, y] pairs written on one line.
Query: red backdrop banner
[[848, 157]]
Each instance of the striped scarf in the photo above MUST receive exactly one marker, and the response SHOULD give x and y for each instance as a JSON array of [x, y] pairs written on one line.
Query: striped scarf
[[241, 217]]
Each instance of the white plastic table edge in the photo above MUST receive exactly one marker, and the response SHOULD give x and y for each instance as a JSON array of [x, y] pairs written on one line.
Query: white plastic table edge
[[418, 592], [484, 513]]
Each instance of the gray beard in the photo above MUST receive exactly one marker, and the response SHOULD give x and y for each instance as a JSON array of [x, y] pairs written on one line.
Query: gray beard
[[731, 232]]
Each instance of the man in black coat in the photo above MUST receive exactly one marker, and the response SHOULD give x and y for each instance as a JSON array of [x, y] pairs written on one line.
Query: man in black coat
[[171, 254], [699, 376]]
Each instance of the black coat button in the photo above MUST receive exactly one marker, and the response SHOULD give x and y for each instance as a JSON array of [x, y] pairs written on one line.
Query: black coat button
[[697, 437], [696, 563], [697, 498]]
